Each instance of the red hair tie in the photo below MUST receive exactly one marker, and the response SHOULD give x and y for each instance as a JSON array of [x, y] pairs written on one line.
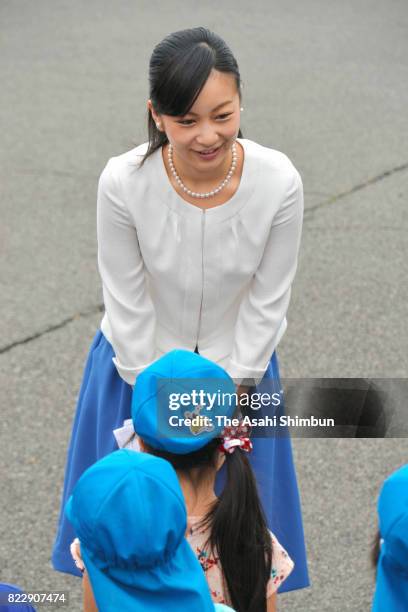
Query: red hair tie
[[236, 437]]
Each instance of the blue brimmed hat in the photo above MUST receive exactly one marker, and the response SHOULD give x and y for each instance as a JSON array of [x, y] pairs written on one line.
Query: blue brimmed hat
[[391, 592], [129, 514], [10, 594], [180, 402]]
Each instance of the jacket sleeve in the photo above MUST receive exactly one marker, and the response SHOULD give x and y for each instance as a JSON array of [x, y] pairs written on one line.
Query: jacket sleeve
[[261, 319], [128, 305]]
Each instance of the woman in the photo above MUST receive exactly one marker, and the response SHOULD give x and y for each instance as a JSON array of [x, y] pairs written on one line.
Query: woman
[[198, 236]]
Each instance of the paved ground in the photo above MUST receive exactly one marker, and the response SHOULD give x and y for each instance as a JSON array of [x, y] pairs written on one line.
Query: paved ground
[[327, 84]]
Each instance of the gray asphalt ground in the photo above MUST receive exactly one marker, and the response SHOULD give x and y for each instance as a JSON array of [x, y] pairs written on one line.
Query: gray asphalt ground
[[327, 83]]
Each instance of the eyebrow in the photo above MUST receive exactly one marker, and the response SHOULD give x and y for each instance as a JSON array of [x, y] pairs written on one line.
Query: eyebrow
[[214, 109]]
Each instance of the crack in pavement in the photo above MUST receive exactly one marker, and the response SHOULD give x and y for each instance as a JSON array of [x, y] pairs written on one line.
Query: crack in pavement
[[308, 211], [52, 328], [344, 194]]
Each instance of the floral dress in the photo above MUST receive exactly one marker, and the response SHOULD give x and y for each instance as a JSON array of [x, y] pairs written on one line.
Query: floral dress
[[197, 536]]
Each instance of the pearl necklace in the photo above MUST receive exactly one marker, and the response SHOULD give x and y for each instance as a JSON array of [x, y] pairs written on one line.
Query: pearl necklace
[[209, 194]]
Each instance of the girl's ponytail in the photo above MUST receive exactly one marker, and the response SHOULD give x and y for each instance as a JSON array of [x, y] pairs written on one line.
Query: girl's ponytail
[[240, 536]]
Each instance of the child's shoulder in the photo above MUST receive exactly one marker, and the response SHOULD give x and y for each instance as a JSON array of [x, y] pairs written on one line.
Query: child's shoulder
[[281, 566]]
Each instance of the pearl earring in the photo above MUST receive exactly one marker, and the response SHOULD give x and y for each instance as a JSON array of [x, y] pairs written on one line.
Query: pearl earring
[[242, 108]]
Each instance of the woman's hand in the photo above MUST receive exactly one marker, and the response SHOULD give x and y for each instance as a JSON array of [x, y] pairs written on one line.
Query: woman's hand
[[242, 390]]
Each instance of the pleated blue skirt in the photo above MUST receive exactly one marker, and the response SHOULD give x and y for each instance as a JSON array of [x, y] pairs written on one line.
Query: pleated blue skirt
[[104, 403]]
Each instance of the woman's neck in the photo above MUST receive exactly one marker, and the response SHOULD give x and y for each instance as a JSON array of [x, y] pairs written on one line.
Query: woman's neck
[[200, 180], [198, 492]]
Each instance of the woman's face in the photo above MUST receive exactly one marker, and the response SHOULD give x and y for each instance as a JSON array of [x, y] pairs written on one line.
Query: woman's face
[[212, 123]]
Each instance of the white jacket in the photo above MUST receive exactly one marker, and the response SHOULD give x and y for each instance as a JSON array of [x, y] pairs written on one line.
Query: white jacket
[[177, 276]]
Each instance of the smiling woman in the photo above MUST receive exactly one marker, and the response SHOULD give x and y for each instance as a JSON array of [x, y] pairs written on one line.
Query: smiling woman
[[198, 238], [204, 135]]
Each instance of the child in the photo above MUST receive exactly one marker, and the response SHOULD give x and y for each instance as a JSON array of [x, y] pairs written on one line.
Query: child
[[391, 593], [129, 515], [10, 598], [243, 562]]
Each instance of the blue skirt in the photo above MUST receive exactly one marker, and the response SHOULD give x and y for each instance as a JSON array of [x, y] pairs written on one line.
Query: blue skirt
[[104, 403]]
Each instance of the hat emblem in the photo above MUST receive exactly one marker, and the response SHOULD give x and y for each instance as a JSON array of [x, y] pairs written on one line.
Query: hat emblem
[[199, 423]]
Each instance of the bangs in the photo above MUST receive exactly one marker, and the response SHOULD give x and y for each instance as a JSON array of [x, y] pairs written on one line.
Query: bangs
[[183, 79]]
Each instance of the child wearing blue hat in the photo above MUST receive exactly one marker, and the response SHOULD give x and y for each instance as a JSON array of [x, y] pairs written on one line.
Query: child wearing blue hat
[[391, 593], [243, 561], [11, 600], [129, 515]]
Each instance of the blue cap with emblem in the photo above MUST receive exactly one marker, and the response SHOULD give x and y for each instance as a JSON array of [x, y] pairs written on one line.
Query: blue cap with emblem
[[181, 402]]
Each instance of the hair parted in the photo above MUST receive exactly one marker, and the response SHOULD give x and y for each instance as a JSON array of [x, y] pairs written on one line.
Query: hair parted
[[178, 70]]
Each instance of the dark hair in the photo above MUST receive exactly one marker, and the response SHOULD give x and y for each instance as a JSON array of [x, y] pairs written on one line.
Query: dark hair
[[375, 549], [179, 68], [238, 530]]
